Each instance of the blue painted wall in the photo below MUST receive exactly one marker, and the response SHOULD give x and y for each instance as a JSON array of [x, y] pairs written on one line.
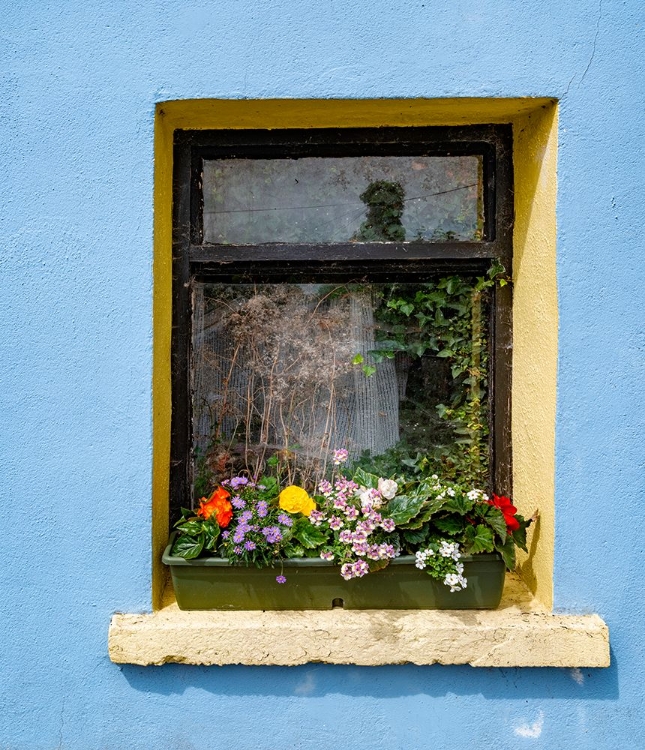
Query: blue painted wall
[[79, 85]]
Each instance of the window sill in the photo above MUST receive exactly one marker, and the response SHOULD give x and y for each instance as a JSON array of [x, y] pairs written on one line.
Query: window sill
[[520, 633]]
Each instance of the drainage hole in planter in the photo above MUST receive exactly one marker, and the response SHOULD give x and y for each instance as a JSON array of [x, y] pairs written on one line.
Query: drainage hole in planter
[[336, 603]]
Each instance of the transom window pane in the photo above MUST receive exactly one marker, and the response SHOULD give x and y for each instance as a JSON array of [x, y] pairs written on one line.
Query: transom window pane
[[286, 373], [325, 200]]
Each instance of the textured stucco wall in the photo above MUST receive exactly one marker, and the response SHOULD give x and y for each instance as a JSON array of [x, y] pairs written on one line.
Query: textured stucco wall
[[79, 85]]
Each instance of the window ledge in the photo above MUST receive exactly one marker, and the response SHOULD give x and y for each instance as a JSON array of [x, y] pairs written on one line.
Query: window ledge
[[520, 633]]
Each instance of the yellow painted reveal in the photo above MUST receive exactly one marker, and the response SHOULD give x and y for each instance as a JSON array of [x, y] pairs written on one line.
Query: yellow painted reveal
[[535, 311], [535, 339]]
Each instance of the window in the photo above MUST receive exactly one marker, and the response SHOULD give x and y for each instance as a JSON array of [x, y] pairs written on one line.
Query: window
[[325, 295]]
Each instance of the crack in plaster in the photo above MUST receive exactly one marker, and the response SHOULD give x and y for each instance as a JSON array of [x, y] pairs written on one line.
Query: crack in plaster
[[593, 52]]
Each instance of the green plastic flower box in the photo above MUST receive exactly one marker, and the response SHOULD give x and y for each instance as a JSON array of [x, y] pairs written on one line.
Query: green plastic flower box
[[312, 583]]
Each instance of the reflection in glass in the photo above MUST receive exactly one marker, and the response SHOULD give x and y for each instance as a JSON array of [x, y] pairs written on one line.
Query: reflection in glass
[[286, 373], [315, 199]]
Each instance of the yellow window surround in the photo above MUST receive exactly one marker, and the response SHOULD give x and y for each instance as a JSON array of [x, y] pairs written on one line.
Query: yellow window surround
[[535, 314]]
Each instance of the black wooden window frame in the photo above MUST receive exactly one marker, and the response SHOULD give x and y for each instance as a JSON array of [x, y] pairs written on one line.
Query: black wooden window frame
[[197, 261]]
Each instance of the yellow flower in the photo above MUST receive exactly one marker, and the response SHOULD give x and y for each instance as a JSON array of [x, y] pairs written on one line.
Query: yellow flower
[[296, 500]]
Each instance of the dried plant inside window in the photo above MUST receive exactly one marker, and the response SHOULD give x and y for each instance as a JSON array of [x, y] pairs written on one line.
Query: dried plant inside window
[[285, 373]]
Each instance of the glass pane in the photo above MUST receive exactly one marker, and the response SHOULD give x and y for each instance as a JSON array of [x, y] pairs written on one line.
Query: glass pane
[[368, 198], [288, 373]]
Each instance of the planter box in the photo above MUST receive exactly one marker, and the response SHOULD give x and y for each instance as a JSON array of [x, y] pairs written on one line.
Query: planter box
[[212, 583]]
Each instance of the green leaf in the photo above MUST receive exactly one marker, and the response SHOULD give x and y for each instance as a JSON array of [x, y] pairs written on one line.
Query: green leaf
[[407, 308], [458, 504], [369, 370], [307, 534], [449, 525], [445, 353], [271, 486], [365, 479], [358, 360], [429, 508], [191, 528], [293, 550], [507, 551], [493, 517], [519, 535], [479, 539], [188, 547], [211, 534], [402, 509], [378, 565], [415, 537]]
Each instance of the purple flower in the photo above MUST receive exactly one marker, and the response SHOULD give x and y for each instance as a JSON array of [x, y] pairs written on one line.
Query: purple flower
[[238, 482], [361, 568], [250, 546], [340, 456], [335, 523], [386, 551], [324, 487], [365, 527], [327, 555], [360, 548], [347, 571], [262, 508], [316, 517], [345, 485], [351, 513], [340, 503], [281, 579], [247, 515], [238, 536], [226, 534], [238, 503], [285, 520], [346, 536], [373, 552], [388, 524], [273, 534], [237, 550]]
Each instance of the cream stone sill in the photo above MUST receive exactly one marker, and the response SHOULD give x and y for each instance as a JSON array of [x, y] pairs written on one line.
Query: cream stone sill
[[518, 634]]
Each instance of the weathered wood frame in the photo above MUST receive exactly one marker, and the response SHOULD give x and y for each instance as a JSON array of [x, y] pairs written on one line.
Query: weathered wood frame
[[195, 260]]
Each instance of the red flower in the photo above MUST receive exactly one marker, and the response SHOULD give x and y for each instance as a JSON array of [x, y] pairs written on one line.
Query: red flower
[[508, 509], [217, 505]]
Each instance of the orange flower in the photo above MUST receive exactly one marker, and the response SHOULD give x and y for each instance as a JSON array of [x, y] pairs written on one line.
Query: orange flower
[[217, 505]]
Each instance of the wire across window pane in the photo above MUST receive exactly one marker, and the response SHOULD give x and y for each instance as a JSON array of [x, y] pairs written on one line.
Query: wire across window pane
[[367, 198]]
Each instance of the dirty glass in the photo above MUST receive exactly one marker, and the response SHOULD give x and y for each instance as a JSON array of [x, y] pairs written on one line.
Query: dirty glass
[[324, 200], [283, 374]]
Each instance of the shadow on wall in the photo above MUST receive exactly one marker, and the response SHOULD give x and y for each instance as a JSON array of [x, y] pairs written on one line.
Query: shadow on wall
[[317, 680]]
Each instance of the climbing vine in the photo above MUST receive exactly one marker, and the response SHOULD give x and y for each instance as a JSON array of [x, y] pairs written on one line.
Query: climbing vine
[[447, 319]]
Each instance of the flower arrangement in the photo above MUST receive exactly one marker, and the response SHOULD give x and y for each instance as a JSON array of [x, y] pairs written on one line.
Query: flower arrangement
[[355, 520]]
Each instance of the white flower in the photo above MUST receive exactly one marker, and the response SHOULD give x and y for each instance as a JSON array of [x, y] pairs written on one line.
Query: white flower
[[364, 496], [369, 498], [387, 488], [456, 582]]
